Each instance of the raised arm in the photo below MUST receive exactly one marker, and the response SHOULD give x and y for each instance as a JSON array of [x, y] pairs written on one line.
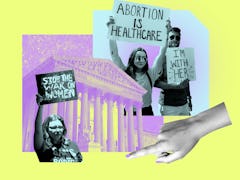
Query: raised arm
[[114, 49], [38, 132], [159, 60], [114, 54]]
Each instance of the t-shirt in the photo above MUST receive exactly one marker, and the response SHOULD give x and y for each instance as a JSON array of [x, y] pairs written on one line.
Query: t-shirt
[[143, 80], [64, 152]]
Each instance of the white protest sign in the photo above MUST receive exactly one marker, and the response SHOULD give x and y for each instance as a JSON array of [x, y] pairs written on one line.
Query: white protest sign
[[139, 23], [180, 65]]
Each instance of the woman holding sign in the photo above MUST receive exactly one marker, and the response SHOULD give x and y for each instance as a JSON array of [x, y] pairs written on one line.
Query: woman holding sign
[[138, 69], [50, 143]]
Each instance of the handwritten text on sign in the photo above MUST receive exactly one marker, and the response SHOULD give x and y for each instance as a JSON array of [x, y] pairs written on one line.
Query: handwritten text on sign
[[180, 65], [57, 86], [139, 23]]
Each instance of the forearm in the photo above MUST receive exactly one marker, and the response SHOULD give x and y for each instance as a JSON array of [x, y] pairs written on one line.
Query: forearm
[[164, 85], [113, 47], [158, 63], [114, 54], [38, 134], [210, 120]]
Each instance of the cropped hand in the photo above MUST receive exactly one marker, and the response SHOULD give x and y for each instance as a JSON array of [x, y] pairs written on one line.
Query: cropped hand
[[183, 84], [175, 140], [168, 25], [39, 99], [111, 21]]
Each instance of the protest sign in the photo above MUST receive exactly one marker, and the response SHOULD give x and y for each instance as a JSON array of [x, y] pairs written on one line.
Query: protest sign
[[139, 23], [57, 86], [180, 65]]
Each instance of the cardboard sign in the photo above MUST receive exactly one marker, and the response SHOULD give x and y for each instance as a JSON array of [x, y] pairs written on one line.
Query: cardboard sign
[[180, 65], [57, 86], [139, 23]]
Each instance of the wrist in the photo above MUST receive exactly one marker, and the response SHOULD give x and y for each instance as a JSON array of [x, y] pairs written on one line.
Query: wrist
[[198, 125], [210, 120]]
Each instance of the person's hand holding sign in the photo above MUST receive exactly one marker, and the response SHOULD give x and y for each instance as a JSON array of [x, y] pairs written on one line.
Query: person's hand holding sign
[[183, 84], [168, 26], [176, 139], [111, 21], [39, 99]]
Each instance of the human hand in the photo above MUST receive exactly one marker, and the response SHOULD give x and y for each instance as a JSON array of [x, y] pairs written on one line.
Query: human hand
[[183, 84], [176, 139], [111, 21], [39, 99], [168, 25]]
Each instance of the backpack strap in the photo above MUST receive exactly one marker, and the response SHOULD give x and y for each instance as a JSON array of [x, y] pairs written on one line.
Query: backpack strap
[[150, 81]]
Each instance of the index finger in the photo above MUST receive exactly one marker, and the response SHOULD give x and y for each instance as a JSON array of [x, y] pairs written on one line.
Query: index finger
[[152, 149]]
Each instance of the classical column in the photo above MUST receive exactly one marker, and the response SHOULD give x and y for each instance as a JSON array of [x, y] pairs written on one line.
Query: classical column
[[130, 126], [29, 128], [52, 108], [45, 111], [61, 109], [69, 118], [121, 130], [97, 117], [84, 110], [110, 138], [139, 125], [75, 119], [89, 125], [102, 138]]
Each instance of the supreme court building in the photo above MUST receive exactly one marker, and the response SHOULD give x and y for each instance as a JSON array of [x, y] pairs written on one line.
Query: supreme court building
[[91, 121]]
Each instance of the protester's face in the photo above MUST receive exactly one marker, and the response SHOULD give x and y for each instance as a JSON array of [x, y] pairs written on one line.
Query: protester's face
[[55, 130], [140, 59], [173, 39]]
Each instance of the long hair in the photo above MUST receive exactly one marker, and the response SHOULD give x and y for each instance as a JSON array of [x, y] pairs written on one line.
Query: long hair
[[131, 68], [45, 127]]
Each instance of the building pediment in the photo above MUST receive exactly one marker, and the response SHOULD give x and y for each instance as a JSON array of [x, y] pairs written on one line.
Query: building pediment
[[99, 74], [102, 74]]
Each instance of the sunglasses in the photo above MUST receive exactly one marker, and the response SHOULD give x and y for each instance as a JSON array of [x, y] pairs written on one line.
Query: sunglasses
[[174, 37]]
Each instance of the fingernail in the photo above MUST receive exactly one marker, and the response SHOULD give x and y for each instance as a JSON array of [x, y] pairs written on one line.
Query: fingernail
[[158, 161], [128, 155]]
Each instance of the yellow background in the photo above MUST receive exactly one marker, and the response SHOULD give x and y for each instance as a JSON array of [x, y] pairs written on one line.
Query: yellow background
[[216, 156]]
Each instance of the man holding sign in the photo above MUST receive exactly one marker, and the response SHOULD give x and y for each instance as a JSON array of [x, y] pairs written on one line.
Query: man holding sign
[[175, 99]]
